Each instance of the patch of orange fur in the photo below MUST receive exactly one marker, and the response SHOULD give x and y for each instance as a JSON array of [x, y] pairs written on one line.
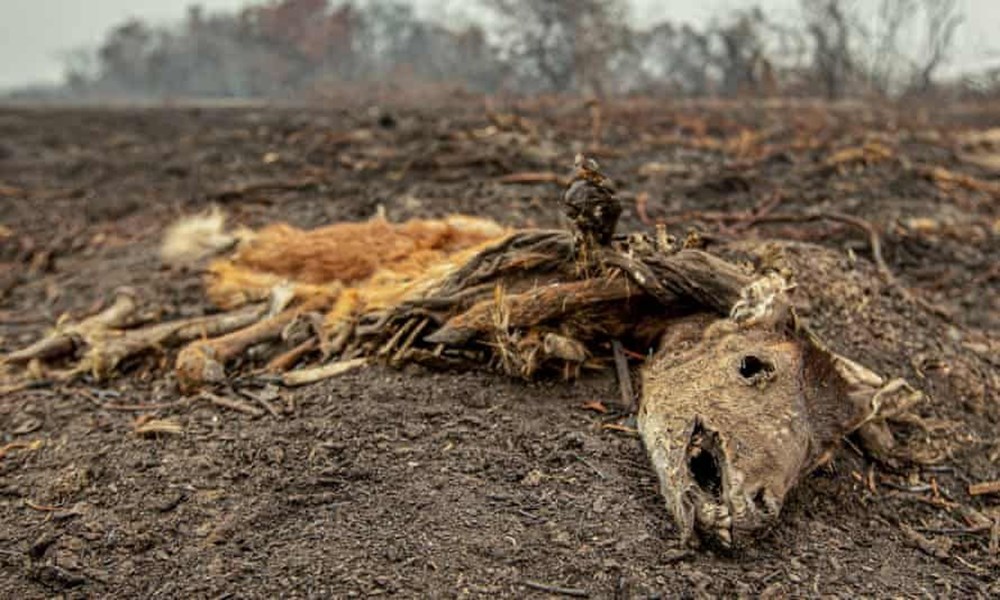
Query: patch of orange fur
[[392, 285], [350, 252], [230, 285], [369, 265]]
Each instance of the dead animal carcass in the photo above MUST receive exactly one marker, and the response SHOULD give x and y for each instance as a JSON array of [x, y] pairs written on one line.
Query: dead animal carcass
[[738, 400]]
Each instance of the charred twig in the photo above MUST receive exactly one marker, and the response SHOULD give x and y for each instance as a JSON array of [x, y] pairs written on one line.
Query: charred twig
[[530, 308], [261, 400], [760, 211], [232, 404], [555, 589], [593, 208], [144, 407], [234, 193], [950, 179], [939, 548], [8, 448], [954, 530], [533, 177], [624, 376], [874, 239]]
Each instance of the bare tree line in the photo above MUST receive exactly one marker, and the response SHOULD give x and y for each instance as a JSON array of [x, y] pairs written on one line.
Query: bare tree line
[[288, 47]]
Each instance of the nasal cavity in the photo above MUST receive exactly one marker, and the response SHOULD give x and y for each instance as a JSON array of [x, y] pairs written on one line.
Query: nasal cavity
[[704, 460]]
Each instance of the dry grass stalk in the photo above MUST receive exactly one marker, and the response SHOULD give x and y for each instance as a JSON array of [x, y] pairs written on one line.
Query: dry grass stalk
[[232, 404], [147, 427], [985, 487], [8, 448]]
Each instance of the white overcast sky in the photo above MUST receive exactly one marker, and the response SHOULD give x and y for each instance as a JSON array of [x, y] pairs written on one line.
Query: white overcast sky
[[35, 33]]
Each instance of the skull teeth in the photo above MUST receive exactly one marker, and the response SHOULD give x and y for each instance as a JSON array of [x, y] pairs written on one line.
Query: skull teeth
[[725, 536]]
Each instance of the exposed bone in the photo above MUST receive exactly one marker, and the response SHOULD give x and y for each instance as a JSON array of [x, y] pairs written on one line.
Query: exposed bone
[[204, 361], [66, 338], [307, 376], [287, 360], [408, 343], [108, 348], [721, 473], [107, 343]]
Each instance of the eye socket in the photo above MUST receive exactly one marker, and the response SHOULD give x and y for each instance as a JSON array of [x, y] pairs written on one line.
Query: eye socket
[[760, 502], [753, 367]]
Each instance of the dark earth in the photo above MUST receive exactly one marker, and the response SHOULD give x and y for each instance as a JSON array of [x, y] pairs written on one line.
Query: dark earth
[[417, 483]]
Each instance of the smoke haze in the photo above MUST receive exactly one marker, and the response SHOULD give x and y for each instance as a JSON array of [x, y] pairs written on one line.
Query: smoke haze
[[39, 35]]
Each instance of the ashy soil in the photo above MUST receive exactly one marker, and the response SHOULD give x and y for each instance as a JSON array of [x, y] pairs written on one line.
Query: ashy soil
[[437, 484]]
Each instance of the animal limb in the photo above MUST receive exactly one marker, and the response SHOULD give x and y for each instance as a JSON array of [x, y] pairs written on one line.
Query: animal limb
[[204, 361], [108, 348], [107, 342], [67, 337]]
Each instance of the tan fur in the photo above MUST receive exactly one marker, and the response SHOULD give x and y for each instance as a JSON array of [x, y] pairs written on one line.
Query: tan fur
[[368, 265], [230, 285], [351, 252], [193, 238]]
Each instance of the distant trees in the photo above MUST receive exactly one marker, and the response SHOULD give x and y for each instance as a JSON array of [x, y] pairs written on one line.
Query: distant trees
[[851, 54], [941, 22], [833, 59], [562, 45], [836, 48], [283, 48]]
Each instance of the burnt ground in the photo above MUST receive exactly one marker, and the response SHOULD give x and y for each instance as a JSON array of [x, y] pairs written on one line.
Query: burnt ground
[[429, 484]]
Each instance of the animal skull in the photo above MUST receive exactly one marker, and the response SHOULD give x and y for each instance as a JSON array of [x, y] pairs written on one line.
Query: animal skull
[[734, 412]]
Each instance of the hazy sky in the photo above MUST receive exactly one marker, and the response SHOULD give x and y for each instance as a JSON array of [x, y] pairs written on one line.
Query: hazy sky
[[35, 33]]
